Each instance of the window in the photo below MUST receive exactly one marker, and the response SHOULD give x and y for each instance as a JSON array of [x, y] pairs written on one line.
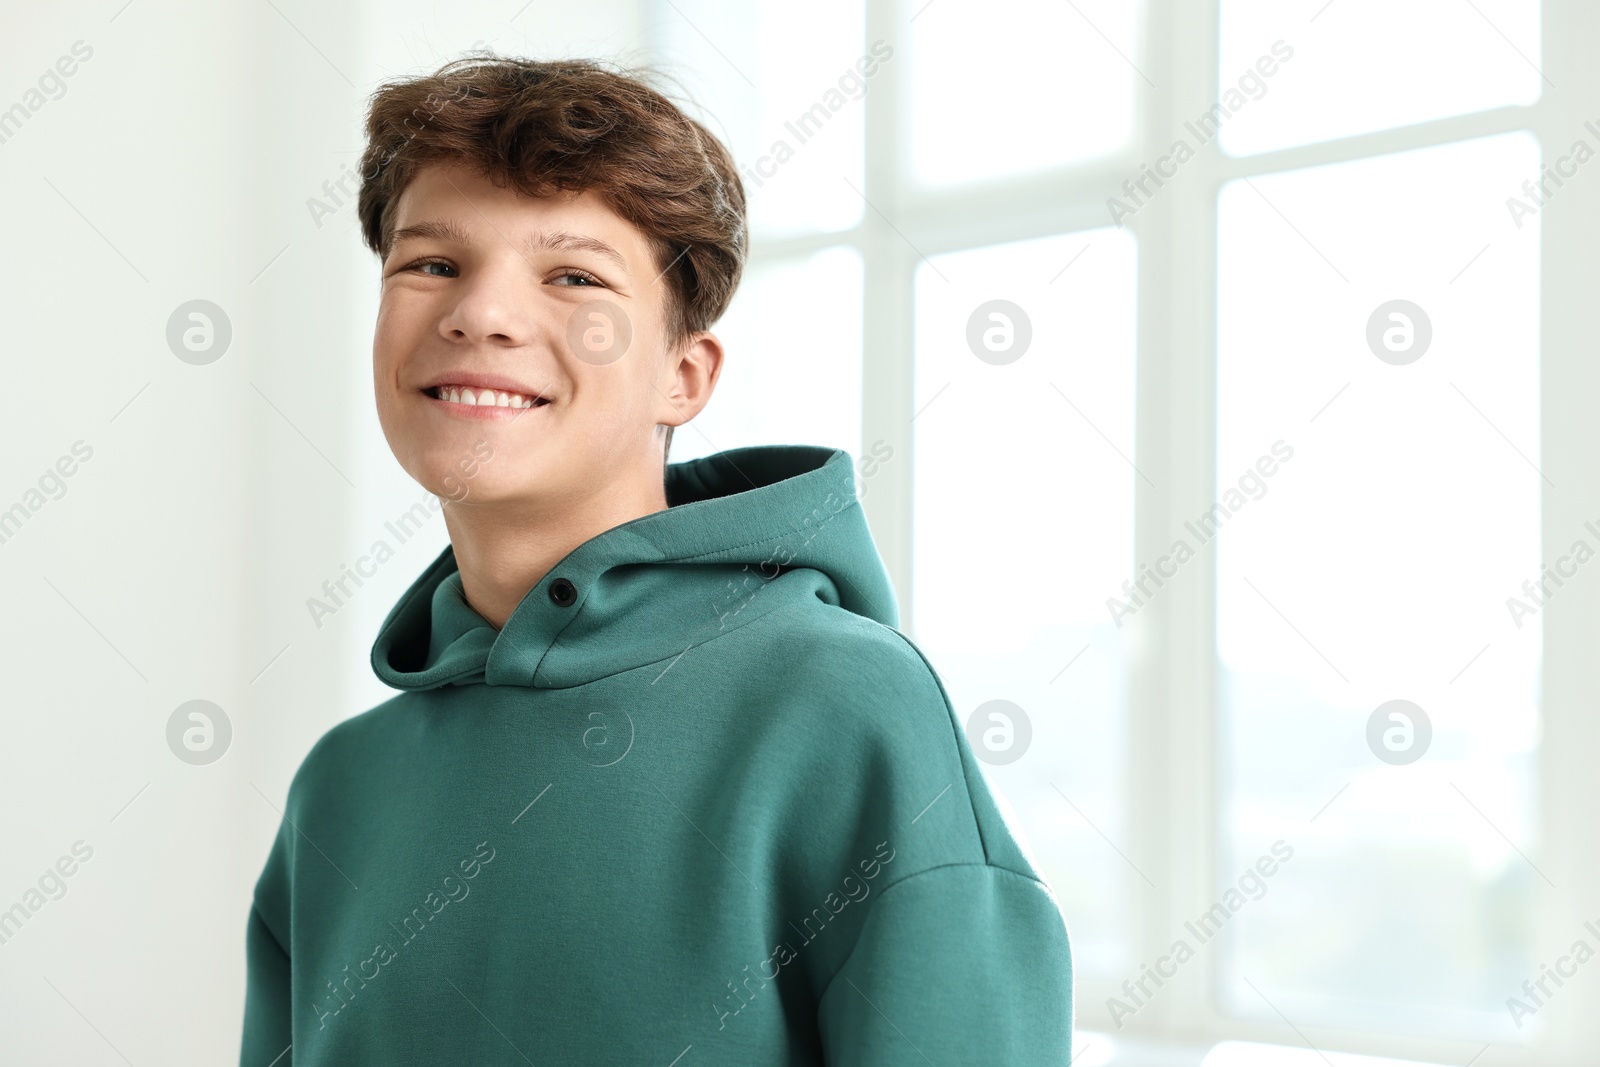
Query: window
[[1274, 281], [1002, 616], [1367, 65], [969, 120], [1369, 567]]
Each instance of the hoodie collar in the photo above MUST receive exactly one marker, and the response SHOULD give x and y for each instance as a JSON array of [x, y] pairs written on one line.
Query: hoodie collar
[[653, 587]]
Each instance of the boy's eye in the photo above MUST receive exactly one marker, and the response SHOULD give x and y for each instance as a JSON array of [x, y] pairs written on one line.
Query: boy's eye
[[423, 264], [584, 277], [570, 276]]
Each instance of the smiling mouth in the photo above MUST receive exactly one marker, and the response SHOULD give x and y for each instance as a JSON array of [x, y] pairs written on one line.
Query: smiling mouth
[[484, 398]]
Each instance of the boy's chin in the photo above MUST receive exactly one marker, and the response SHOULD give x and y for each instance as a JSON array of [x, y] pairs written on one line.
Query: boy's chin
[[480, 491], [476, 473]]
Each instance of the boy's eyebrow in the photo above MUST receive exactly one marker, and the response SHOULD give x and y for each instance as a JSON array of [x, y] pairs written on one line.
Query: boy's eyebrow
[[542, 241]]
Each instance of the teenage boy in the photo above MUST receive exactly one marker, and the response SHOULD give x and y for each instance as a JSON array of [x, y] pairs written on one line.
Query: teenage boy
[[664, 784]]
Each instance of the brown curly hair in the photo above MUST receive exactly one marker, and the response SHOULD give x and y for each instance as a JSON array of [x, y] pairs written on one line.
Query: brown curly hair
[[570, 125]]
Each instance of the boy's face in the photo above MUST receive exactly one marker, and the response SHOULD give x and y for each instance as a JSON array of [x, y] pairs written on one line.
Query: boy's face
[[484, 287]]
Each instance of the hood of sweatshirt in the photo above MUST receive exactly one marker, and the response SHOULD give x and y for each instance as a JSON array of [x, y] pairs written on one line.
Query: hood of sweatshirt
[[745, 532]]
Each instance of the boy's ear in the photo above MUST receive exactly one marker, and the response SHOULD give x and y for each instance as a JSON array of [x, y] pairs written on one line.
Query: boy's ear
[[688, 378]]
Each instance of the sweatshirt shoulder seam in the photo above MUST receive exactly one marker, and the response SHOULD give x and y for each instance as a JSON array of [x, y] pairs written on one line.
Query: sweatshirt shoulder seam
[[986, 865], [914, 875], [950, 720], [255, 909]]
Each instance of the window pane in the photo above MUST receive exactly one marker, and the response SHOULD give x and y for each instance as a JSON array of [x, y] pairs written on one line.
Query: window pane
[[1370, 560], [1023, 520], [1062, 92], [782, 84], [1363, 65], [791, 371]]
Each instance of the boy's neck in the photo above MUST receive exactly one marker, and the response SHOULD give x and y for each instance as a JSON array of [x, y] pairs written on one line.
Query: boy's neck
[[502, 552]]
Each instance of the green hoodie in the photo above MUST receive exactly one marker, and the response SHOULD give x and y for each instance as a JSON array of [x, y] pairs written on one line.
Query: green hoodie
[[699, 802]]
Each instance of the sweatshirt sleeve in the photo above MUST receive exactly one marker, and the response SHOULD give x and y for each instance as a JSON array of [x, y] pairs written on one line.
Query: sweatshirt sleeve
[[266, 1005], [966, 963], [268, 1016]]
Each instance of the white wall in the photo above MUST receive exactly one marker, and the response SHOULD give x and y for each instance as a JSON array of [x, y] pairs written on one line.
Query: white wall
[[176, 563]]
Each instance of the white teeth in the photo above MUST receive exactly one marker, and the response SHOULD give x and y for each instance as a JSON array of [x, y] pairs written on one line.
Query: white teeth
[[484, 397]]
